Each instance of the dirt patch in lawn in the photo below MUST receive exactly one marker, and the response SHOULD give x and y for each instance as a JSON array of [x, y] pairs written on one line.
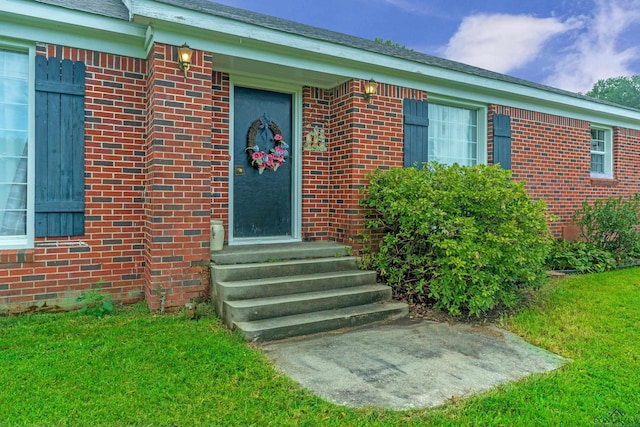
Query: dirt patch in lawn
[[423, 308]]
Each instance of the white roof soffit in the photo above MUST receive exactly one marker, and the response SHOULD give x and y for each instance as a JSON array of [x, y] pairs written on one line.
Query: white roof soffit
[[243, 47], [39, 22], [248, 48]]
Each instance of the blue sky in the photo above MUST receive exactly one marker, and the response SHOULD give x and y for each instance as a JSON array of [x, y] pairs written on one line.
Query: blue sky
[[568, 44]]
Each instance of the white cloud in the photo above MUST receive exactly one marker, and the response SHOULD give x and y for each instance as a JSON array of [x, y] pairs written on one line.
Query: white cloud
[[595, 54], [502, 42]]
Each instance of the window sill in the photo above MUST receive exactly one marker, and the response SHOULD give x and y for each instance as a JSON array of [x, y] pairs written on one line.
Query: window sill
[[603, 182], [17, 256]]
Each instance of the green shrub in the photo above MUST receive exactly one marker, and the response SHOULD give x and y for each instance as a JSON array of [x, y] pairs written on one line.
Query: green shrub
[[580, 256], [611, 225], [468, 238], [95, 303]]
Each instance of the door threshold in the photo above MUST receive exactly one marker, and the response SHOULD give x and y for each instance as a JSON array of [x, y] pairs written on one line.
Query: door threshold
[[251, 241]]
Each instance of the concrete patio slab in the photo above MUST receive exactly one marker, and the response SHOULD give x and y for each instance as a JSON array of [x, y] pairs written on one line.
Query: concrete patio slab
[[408, 363]]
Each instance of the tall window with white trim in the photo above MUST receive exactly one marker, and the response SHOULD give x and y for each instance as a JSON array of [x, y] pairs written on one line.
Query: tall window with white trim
[[14, 131], [601, 153]]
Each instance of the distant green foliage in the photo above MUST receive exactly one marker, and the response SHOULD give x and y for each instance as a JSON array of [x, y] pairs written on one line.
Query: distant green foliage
[[621, 90], [611, 225], [391, 43], [96, 304], [580, 256], [468, 238]]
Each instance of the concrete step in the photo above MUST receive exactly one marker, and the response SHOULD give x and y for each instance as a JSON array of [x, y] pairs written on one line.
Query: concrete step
[[276, 291], [320, 321], [287, 305], [276, 286], [279, 251], [234, 272]]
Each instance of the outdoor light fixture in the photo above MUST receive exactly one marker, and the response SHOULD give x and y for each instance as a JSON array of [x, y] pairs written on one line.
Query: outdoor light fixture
[[370, 89], [184, 58]]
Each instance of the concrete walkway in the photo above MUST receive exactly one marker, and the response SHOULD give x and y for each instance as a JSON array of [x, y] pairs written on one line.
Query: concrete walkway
[[408, 363]]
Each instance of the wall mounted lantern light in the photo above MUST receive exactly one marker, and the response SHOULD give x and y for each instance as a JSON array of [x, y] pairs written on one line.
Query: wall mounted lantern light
[[370, 89], [184, 58]]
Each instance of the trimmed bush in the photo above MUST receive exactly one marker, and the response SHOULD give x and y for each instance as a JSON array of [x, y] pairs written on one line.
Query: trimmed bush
[[467, 238], [611, 225], [582, 257]]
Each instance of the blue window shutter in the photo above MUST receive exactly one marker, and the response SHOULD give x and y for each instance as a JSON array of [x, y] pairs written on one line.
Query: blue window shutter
[[502, 140], [416, 132], [59, 146]]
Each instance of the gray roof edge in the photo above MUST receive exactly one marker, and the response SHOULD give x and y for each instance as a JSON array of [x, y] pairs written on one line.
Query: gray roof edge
[[295, 28], [109, 8], [118, 9]]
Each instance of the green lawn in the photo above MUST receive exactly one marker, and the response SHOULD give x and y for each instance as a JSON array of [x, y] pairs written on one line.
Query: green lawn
[[138, 369]]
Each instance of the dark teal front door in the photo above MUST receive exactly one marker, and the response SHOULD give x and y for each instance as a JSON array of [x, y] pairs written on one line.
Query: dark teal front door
[[262, 202]]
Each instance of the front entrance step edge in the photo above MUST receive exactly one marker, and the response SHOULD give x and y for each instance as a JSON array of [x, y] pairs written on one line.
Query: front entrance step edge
[[321, 321], [279, 251]]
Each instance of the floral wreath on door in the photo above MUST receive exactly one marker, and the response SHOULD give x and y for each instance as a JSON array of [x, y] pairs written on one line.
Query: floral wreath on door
[[267, 158]]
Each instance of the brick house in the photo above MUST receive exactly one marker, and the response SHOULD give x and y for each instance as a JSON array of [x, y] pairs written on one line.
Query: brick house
[[115, 160]]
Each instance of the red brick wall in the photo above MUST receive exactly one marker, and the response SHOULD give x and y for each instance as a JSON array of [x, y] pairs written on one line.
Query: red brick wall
[[148, 161], [626, 164], [365, 136], [111, 251], [157, 165], [552, 154], [221, 153], [178, 196], [316, 193]]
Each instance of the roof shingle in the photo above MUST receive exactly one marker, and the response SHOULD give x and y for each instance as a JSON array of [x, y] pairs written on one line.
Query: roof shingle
[[109, 8], [117, 9], [266, 21]]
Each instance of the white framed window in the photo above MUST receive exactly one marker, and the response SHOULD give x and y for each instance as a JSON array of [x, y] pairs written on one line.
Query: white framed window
[[16, 171], [601, 152], [457, 132]]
